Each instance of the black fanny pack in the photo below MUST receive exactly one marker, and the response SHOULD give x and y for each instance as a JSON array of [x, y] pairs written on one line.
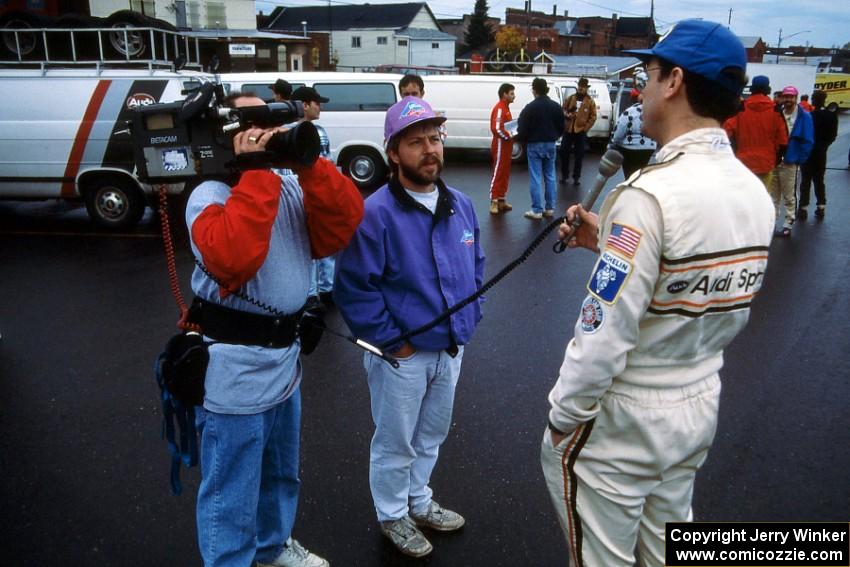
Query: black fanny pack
[[226, 325]]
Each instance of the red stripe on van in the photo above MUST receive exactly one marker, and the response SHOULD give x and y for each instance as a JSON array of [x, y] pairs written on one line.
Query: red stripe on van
[[82, 138]]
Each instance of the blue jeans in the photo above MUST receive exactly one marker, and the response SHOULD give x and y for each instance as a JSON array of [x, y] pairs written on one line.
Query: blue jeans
[[322, 275], [541, 161], [249, 483], [412, 410]]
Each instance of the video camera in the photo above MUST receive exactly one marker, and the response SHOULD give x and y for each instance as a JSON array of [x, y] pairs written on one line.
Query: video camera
[[178, 141]]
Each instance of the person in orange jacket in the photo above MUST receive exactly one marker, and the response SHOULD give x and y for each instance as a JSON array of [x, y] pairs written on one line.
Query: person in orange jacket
[[501, 149], [758, 131]]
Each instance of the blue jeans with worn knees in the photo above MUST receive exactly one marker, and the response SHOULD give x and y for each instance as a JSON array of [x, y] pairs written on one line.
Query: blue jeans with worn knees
[[249, 483], [412, 410], [322, 275], [541, 167]]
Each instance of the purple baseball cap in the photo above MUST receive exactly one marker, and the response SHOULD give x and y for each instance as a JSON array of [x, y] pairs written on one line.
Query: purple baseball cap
[[406, 112]]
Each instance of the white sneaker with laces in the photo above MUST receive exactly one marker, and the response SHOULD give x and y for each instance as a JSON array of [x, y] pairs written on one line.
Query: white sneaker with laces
[[532, 215], [294, 555], [439, 518], [406, 537]]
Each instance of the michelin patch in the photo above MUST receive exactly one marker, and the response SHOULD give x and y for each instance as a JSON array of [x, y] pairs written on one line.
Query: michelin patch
[[609, 276], [592, 315]]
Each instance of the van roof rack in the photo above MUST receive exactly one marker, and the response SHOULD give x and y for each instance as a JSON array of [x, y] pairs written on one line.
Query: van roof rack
[[100, 48]]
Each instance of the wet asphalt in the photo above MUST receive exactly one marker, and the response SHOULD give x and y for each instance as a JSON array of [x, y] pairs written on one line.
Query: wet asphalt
[[85, 474]]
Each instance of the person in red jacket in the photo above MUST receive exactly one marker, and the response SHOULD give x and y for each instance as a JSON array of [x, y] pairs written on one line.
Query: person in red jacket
[[501, 149], [256, 238], [758, 131]]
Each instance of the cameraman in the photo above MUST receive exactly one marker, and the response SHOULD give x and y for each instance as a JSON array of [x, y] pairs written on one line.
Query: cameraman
[[258, 237]]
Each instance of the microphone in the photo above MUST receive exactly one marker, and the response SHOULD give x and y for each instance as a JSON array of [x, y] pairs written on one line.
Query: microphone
[[609, 164]]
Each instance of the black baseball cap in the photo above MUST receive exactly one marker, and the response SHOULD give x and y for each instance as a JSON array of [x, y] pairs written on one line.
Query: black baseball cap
[[308, 94], [283, 88]]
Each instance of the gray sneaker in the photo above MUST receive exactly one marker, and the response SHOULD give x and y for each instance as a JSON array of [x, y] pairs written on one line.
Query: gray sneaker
[[407, 537], [294, 555], [439, 518]]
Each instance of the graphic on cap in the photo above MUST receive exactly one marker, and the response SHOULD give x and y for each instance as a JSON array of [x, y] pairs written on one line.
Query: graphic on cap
[[412, 110]]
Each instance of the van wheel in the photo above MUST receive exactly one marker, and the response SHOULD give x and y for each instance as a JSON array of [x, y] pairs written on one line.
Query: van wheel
[[113, 202], [364, 166], [833, 107], [518, 152], [29, 44]]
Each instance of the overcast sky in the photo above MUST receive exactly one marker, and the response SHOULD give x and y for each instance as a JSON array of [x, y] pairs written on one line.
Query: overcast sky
[[821, 23]]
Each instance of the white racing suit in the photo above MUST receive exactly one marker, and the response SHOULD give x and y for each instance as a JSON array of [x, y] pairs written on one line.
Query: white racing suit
[[684, 248]]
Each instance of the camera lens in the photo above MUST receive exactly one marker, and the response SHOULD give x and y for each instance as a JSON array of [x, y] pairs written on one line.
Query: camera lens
[[300, 144]]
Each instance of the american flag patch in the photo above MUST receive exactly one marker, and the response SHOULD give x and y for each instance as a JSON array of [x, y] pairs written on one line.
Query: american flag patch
[[623, 238]]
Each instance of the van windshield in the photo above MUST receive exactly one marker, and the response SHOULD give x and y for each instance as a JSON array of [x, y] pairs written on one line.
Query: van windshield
[[376, 97]]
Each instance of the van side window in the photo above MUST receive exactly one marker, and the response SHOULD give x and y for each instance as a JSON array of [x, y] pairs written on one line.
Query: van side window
[[357, 96], [264, 90]]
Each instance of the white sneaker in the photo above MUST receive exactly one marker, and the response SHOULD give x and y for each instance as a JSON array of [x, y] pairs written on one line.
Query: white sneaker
[[406, 537], [294, 555], [549, 213], [532, 215]]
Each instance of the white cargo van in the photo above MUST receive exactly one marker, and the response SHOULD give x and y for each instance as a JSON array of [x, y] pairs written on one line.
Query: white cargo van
[[353, 119], [61, 136], [467, 101]]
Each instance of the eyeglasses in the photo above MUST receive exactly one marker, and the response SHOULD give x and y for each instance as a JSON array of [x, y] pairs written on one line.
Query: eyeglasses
[[648, 69]]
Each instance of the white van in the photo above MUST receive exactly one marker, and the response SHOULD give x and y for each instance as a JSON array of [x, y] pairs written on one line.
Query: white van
[[353, 119], [61, 136], [467, 101]]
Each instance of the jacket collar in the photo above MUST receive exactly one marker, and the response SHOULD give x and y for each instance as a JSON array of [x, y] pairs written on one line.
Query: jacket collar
[[445, 202], [701, 141]]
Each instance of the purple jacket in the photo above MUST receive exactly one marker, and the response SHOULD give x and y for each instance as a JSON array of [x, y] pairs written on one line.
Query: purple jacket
[[405, 266]]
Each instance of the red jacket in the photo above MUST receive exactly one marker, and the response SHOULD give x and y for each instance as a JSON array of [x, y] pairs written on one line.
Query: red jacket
[[234, 238], [758, 132], [498, 116]]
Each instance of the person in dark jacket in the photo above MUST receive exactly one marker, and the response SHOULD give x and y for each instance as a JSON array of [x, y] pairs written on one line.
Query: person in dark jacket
[[826, 130], [416, 252], [541, 123]]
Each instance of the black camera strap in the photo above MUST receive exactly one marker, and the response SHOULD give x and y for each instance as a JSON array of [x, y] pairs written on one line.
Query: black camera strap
[[481, 291]]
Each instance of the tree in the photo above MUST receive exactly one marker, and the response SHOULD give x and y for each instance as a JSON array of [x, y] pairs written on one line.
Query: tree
[[478, 34], [846, 45], [509, 38]]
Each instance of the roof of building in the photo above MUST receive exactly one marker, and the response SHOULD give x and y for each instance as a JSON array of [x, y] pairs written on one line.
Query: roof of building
[[749, 41], [240, 34], [344, 17], [424, 33], [592, 64]]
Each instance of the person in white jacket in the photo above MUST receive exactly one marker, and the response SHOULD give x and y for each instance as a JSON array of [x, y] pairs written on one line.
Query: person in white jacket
[[634, 409]]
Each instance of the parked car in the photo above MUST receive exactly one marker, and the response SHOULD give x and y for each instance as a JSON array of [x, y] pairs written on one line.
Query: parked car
[[353, 119]]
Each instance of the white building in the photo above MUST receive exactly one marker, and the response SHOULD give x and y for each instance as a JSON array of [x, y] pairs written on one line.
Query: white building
[[199, 14], [365, 36]]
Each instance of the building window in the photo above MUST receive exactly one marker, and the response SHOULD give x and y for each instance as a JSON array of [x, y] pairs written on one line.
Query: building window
[[435, 46], [382, 40], [402, 43], [355, 41]]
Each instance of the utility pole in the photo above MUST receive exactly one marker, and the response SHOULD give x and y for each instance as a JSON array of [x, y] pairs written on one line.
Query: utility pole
[[729, 23]]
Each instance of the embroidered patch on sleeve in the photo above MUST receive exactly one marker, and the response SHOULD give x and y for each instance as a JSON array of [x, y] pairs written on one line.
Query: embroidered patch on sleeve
[[624, 239], [592, 315], [609, 275]]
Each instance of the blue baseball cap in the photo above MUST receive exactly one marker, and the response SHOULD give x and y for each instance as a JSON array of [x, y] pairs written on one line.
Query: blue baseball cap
[[760, 81], [407, 112], [701, 47]]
